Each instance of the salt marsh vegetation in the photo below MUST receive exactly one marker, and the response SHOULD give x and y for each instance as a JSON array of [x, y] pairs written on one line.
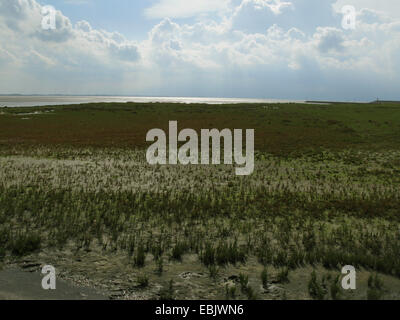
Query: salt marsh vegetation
[[77, 192], [327, 209]]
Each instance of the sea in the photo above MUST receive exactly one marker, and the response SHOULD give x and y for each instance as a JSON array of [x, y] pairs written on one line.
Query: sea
[[33, 101]]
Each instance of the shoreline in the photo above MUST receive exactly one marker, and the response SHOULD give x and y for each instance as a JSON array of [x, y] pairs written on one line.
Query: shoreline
[[42, 101]]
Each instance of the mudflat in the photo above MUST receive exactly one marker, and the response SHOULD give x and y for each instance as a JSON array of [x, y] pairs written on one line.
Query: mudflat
[[16, 284]]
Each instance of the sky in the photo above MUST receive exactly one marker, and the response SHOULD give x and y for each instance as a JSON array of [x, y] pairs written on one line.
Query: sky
[[277, 49]]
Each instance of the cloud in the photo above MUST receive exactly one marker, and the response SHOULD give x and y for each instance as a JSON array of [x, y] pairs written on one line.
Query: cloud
[[70, 59], [276, 6], [185, 9], [253, 48], [388, 7], [329, 39]]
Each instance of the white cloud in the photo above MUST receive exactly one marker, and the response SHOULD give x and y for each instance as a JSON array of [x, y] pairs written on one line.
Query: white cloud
[[276, 6], [388, 7], [210, 57]]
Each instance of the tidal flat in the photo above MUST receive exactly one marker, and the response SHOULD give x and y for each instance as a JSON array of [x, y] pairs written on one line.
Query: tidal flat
[[77, 192]]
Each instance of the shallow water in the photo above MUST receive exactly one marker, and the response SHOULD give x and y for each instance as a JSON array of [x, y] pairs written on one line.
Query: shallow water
[[31, 101]]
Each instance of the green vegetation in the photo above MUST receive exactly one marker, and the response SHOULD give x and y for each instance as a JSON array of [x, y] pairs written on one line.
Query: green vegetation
[[160, 266], [140, 256], [143, 281], [168, 293], [283, 275], [316, 288], [335, 289], [375, 288], [325, 193], [281, 129], [264, 278], [25, 243], [231, 292], [213, 271]]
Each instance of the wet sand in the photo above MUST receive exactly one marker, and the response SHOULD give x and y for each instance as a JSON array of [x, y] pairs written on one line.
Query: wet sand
[[16, 284]]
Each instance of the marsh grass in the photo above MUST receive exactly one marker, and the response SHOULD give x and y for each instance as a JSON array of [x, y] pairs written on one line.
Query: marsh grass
[[264, 278], [159, 266], [283, 276], [244, 282], [317, 288], [335, 289], [178, 250], [25, 243], [213, 271], [143, 281], [375, 288], [167, 293], [329, 209], [230, 292], [140, 257]]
